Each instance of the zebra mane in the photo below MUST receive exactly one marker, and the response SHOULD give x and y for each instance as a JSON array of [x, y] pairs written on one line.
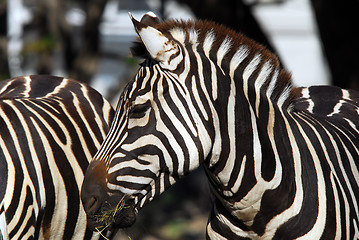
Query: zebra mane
[[282, 90]]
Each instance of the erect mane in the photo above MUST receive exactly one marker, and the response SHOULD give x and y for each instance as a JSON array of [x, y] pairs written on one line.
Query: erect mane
[[222, 33], [202, 27]]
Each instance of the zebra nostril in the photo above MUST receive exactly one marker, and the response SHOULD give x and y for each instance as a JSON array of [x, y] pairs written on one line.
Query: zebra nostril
[[92, 205]]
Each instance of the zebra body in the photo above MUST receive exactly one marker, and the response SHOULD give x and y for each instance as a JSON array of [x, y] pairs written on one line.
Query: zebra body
[[282, 161], [50, 128]]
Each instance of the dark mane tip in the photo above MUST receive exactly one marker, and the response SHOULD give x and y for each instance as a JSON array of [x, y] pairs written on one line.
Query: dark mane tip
[[139, 50]]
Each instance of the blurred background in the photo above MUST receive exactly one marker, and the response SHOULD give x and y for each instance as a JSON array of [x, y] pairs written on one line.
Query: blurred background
[[89, 40]]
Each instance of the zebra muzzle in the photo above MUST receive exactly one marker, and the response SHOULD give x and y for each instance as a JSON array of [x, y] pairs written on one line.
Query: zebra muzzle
[[109, 214], [104, 210]]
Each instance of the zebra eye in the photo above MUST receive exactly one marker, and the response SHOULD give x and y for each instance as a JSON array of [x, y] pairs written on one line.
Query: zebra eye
[[139, 110]]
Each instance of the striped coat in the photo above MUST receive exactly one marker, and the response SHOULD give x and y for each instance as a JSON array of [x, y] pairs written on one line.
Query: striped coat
[[50, 128], [282, 161]]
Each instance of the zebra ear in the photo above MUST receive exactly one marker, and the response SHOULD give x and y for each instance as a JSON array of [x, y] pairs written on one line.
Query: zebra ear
[[149, 19], [160, 47]]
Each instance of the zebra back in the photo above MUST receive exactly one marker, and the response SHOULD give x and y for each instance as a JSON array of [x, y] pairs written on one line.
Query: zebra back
[[50, 129]]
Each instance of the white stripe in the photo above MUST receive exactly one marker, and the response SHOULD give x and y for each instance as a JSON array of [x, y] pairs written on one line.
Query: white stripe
[[208, 42], [34, 156], [126, 191], [354, 170], [152, 159], [106, 110], [225, 174], [27, 90], [356, 231], [67, 146], [8, 83], [262, 77], [295, 208], [214, 81], [180, 128], [3, 225], [352, 125], [60, 211], [27, 180], [251, 67], [181, 108], [257, 147], [238, 57], [202, 132], [198, 99], [277, 178], [154, 140], [284, 96], [306, 95], [193, 37], [216, 145], [333, 171], [346, 94], [272, 84], [119, 122], [319, 225], [134, 179], [30, 231], [178, 34], [135, 83], [336, 109], [236, 230], [346, 211], [338, 227], [222, 51], [181, 79], [207, 46], [239, 179], [57, 89], [139, 122], [212, 234]]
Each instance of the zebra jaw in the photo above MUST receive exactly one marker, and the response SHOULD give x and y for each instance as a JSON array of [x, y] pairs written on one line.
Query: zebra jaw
[[160, 47]]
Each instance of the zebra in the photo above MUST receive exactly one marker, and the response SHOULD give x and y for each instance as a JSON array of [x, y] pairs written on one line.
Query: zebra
[[282, 161], [50, 128]]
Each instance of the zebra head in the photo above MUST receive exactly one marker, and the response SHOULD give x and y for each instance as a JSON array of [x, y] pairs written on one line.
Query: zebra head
[[157, 135]]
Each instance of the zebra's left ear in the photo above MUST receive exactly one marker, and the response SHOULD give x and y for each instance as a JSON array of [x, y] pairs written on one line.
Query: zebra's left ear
[[160, 47]]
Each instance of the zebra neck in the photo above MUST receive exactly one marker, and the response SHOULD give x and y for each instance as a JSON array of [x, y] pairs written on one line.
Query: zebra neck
[[243, 164], [259, 77]]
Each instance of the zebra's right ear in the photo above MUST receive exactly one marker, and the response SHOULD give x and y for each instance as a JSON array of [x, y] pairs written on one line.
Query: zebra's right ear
[[160, 47]]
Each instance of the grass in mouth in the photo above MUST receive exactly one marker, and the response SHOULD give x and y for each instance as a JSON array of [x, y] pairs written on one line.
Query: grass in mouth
[[107, 217]]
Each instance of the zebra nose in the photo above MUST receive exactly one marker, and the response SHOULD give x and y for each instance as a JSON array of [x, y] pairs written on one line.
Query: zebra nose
[[93, 188], [92, 195]]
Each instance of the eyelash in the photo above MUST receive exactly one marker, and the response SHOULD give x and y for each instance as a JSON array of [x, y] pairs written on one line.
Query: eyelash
[[139, 110]]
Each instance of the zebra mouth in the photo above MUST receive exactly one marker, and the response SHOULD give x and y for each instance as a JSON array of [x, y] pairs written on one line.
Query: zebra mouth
[[113, 216]]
